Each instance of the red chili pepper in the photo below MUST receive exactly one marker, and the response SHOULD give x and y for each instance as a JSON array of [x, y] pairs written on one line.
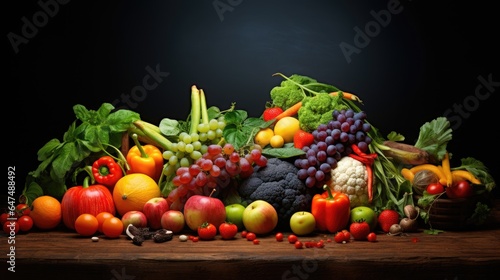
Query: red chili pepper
[[367, 160], [369, 182], [106, 171]]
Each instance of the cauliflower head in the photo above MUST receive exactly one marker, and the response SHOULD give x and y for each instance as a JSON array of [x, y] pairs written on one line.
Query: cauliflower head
[[350, 177]]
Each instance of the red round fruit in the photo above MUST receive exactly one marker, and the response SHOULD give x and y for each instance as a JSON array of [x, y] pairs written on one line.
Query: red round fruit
[[298, 245], [11, 227], [256, 241], [207, 231], [25, 223], [372, 237], [435, 188], [461, 189], [23, 209], [292, 238], [279, 236], [228, 230], [251, 236]]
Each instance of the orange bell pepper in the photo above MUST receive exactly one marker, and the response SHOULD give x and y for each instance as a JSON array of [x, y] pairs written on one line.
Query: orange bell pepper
[[331, 210], [146, 159]]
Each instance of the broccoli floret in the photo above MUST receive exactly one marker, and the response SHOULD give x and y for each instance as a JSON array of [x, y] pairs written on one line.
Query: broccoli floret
[[278, 184], [318, 110], [288, 92]]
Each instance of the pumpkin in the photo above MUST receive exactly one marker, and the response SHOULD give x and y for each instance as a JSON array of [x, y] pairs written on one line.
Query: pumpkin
[[91, 199]]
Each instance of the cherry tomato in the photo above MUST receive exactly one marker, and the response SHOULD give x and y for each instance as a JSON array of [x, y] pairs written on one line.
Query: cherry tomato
[[435, 188], [256, 241], [207, 231], [298, 245], [4, 217], [23, 209], [279, 236], [11, 226], [372, 237], [244, 234], [228, 230], [292, 238], [251, 236], [86, 224], [101, 217], [112, 227], [460, 189], [25, 223], [339, 237]]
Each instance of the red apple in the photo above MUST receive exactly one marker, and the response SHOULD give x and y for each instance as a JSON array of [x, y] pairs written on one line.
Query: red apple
[[134, 217], [154, 209], [260, 217], [199, 209], [173, 220]]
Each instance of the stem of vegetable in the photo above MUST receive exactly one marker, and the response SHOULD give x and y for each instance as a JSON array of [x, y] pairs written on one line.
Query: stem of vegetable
[[139, 146], [154, 136], [203, 105], [195, 109]]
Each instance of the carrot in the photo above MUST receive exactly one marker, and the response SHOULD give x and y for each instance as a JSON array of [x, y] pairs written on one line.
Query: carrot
[[445, 163], [292, 111]]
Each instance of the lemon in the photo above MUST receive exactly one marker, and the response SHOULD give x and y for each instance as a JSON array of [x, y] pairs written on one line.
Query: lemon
[[277, 141], [286, 128], [263, 137]]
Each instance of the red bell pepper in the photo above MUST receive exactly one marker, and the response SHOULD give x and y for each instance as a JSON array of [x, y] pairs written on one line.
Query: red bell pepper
[[107, 171], [331, 210]]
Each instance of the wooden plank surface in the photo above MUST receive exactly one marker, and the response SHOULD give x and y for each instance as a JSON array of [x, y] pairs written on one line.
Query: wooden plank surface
[[471, 254]]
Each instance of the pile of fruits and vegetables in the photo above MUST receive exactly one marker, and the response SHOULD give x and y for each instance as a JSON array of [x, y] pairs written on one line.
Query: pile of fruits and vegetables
[[311, 163]]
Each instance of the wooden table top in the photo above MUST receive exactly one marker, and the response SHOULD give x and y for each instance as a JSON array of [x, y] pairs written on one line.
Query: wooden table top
[[471, 254]]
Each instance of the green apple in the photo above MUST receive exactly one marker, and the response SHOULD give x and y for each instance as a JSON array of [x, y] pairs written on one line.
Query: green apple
[[302, 223], [364, 213], [234, 214]]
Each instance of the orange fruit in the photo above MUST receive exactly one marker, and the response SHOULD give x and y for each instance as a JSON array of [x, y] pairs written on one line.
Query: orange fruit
[[101, 217], [46, 212], [112, 227], [132, 191], [86, 224], [286, 128]]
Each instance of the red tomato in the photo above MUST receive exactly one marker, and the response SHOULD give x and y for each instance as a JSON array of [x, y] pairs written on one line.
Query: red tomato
[[4, 217], [460, 189], [279, 236], [207, 231], [292, 238], [25, 223], [228, 230], [251, 236], [372, 237], [298, 245], [435, 188], [11, 226], [23, 209]]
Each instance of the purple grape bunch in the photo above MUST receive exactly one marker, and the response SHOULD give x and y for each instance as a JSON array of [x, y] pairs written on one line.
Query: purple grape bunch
[[332, 141]]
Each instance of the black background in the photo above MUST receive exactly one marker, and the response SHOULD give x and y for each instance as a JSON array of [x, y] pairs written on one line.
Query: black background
[[424, 61]]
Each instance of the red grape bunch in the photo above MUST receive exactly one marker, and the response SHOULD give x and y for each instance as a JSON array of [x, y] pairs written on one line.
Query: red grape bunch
[[213, 170]]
